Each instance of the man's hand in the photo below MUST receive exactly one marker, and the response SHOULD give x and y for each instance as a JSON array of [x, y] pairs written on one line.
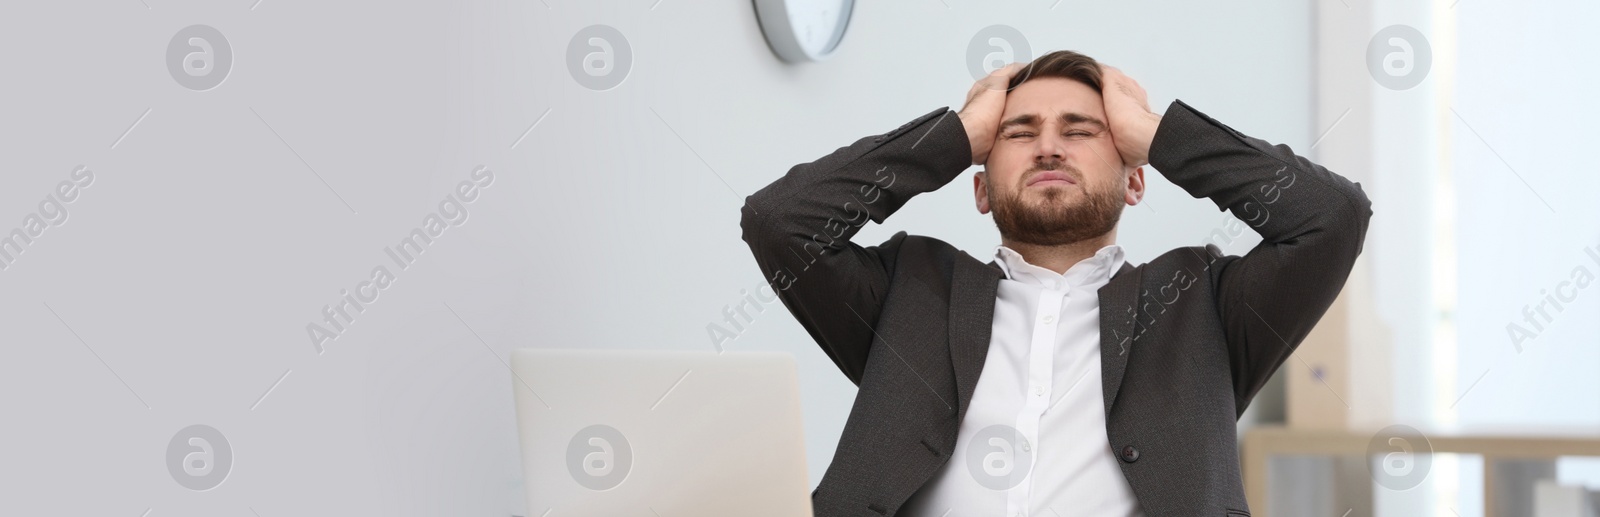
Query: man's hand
[[986, 102], [1133, 125]]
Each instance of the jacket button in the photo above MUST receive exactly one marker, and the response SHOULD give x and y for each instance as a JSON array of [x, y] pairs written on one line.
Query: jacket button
[[1130, 454]]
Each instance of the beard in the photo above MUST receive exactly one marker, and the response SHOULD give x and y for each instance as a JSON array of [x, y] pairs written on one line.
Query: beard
[[1052, 221]]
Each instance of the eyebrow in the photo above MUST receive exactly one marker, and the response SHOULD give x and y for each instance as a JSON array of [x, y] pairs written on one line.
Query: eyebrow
[[1068, 118]]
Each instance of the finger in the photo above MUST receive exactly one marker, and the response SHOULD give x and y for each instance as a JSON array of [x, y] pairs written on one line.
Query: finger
[[1006, 71], [1112, 75], [996, 78], [1000, 78], [1013, 69]]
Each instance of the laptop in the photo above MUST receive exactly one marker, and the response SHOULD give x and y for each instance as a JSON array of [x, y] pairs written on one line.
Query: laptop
[[660, 433]]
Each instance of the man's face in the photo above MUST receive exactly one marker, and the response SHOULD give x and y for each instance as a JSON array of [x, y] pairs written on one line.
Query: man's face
[[1054, 175]]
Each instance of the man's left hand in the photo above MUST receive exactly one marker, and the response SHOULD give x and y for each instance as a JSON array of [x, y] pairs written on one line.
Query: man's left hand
[[1133, 125]]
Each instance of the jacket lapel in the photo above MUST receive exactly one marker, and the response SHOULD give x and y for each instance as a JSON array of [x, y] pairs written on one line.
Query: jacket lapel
[[972, 296], [1118, 299]]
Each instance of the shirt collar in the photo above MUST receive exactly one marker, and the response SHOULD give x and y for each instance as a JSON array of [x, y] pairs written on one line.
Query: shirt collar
[[1098, 267]]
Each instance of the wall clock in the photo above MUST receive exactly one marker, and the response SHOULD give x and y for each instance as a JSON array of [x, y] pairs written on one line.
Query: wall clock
[[803, 30]]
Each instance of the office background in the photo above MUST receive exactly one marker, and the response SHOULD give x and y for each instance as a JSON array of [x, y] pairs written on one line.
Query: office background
[[177, 285]]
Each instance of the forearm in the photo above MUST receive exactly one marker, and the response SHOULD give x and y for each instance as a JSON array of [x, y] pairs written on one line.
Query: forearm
[[823, 203], [1283, 196]]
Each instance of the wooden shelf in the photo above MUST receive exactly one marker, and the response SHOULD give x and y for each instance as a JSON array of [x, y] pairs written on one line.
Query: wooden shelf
[[1263, 443]]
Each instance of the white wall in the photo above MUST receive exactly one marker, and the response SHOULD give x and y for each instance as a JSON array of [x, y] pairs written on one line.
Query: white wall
[[218, 227], [1521, 205], [1526, 220]]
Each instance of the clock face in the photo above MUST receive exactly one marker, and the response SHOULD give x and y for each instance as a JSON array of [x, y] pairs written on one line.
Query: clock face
[[819, 24], [804, 30]]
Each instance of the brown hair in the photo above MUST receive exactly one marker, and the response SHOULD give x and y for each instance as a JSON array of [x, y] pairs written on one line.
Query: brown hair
[[1061, 63]]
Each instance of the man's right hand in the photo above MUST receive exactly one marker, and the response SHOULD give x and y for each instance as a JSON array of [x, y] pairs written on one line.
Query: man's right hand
[[986, 102]]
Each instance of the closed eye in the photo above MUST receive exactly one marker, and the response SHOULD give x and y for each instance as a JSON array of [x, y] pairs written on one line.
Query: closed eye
[[1071, 134]]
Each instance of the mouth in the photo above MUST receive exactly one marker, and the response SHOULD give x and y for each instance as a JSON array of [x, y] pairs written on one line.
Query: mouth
[[1049, 178]]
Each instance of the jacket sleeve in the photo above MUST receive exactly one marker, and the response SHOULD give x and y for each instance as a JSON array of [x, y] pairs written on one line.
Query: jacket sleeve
[[1312, 223], [799, 228]]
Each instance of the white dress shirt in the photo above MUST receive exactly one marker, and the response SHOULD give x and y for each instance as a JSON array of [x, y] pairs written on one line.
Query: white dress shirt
[[1033, 442]]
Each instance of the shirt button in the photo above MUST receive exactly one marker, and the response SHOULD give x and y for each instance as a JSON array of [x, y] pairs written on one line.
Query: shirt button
[[1038, 390], [1048, 319]]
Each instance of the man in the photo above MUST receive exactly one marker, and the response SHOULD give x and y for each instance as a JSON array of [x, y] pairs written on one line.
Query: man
[[1056, 379]]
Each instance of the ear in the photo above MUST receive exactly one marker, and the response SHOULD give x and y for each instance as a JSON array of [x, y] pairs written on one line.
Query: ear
[[1135, 191], [980, 192]]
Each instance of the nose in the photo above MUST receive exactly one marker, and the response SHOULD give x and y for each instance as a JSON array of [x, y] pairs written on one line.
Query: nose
[[1049, 147]]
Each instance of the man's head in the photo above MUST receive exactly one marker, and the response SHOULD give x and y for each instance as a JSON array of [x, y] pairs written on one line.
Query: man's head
[[1054, 176]]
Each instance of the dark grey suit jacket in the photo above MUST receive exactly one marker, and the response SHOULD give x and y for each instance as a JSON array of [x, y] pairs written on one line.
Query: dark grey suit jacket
[[1186, 340]]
